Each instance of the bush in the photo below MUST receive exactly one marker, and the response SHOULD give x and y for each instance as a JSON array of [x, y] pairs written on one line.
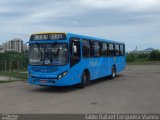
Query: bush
[[131, 57], [143, 57], [155, 55], [14, 57]]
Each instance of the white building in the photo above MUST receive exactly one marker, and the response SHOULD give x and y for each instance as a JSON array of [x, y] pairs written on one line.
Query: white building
[[13, 45], [1, 49]]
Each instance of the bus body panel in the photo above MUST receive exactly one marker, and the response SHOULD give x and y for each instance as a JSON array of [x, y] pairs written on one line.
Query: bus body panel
[[120, 63], [97, 66]]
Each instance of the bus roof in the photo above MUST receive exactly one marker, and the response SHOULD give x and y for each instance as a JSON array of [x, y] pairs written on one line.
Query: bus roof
[[82, 36], [94, 38]]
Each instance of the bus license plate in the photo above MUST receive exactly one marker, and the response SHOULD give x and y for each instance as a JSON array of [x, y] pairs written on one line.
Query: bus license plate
[[43, 81]]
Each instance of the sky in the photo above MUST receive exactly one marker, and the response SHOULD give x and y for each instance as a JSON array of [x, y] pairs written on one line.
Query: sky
[[135, 22]]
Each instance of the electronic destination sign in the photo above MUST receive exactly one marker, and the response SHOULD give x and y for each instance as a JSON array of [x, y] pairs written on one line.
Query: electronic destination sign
[[50, 36]]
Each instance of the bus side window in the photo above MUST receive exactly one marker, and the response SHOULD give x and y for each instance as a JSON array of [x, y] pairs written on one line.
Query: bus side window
[[74, 51], [104, 49], [117, 51], [96, 49], [122, 50], [111, 50], [86, 49]]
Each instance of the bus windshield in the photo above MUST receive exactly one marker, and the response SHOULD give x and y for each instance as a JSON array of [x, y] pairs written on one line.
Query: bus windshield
[[48, 54]]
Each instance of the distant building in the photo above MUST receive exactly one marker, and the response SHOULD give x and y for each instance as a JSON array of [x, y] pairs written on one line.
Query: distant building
[[4, 46], [13, 45], [148, 50], [25, 48], [1, 49]]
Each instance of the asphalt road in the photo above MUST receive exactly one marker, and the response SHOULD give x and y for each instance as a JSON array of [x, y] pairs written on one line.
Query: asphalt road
[[136, 90]]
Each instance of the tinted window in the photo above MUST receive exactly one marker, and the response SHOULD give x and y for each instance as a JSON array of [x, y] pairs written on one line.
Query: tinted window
[[122, 50], [117, 50], [86, 49], [111, 49], [96, 49], [104, 49]]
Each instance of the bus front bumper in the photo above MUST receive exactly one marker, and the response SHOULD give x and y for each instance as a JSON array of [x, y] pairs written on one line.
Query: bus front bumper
[[54, 82]]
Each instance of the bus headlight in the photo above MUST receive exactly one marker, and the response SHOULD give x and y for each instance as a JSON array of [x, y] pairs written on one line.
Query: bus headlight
[[64, 74], [60, 76]]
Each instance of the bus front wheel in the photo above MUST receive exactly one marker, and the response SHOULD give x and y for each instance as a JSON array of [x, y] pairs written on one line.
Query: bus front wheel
[[84, 80], [113, 74]]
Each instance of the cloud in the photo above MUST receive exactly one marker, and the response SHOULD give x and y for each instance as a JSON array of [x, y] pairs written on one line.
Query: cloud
[[132, 5], [125, 20]]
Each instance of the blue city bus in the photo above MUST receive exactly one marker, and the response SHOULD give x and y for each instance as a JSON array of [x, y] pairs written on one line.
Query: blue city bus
[[64, 59]]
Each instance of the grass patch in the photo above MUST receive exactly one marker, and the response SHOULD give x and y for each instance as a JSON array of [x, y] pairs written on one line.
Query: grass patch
[[20, 75], [144, 63], [7, 81]]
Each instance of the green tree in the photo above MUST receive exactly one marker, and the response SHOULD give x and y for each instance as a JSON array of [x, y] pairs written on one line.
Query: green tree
[[131, 57], [14, 57], [155, 55]]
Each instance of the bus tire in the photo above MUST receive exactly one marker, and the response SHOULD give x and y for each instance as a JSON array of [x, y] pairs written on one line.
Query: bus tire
[[113, 72], [84, 80]]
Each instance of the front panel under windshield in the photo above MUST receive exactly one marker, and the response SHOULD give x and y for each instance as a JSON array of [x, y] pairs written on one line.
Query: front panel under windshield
[[48, 54]]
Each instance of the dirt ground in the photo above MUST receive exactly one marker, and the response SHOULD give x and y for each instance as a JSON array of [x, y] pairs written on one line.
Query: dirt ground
[[135, 90]]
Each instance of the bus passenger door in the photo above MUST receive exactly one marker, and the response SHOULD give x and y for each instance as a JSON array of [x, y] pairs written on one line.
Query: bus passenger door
[[74, 51]]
